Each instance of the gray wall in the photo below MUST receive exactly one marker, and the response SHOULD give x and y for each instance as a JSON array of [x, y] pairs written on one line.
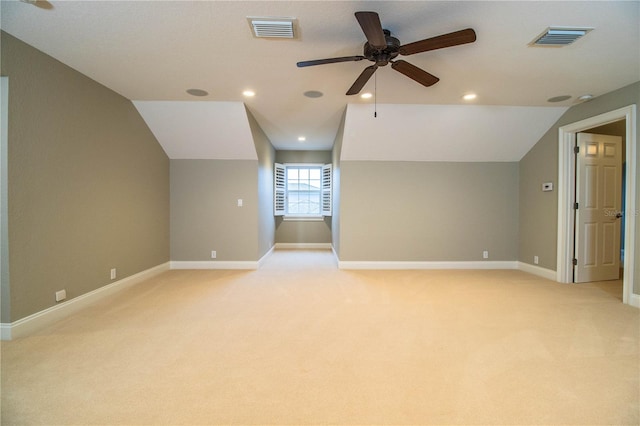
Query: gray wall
[[538, 210], [204, 210], [266, 158], [300, 232], [315, 157], [421, 211], [88, 183]]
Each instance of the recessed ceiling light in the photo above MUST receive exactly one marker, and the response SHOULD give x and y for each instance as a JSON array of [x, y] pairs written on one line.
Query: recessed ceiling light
[[469, 96], [559, 98], [197, 92], [249, 93], [301, 139], [313, 94], [366, 95]]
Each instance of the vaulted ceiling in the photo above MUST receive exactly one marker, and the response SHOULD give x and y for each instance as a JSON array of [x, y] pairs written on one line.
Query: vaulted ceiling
[[153, 51]]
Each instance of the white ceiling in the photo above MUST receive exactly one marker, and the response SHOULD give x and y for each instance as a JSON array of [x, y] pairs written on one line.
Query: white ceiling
[[443, 132], [190, 130], [155, 50]]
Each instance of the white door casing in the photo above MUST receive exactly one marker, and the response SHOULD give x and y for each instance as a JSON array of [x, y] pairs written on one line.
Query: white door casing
[[598, 197], [566, 180]]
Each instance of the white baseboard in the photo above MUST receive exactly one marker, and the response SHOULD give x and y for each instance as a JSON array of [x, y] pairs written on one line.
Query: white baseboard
[[27, 325], [5, 331], [428, 265], [213, 264], [634, 300], [266, 255], [539, 271], [303, 246]]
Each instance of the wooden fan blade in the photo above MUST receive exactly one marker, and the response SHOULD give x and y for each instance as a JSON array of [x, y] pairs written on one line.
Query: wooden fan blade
[[415, 73], [372, 28], [362, 80], [446, 40], [329, 61]]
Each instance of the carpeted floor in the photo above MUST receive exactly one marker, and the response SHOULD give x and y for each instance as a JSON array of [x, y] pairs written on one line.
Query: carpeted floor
[[301, 342]]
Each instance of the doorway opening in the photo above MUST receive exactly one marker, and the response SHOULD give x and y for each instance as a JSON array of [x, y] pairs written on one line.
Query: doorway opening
[[566, 196]]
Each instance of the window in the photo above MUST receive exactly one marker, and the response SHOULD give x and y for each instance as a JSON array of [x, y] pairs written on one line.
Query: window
[[302, 190]]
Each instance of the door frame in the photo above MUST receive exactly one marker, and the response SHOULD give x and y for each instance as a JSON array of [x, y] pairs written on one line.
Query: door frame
[[5, 300], [566, 196]]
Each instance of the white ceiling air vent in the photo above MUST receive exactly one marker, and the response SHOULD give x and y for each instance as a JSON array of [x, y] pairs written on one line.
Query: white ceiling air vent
[[272, 27], [559, 36]]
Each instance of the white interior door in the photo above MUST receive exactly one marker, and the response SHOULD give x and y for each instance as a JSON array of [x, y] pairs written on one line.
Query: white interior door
[[599, 199]]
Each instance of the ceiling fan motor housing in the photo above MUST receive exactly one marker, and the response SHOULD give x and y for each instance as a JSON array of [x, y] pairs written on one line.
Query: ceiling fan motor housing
[[382, 57]]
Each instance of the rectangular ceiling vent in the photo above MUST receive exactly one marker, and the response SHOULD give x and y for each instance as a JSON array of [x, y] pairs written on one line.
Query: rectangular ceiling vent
[[559, 36], [272, 27]]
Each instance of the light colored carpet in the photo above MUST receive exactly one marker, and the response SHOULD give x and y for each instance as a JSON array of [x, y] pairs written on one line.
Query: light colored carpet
[[301, 342]]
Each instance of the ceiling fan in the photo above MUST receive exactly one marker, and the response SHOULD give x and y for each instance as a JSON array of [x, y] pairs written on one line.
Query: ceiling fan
[[382, 48]]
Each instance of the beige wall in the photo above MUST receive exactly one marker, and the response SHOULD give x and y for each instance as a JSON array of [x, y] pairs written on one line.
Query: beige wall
[[204, 210], [88, 183], [539, 210], [303, 232], [266, 158], [420, 211]]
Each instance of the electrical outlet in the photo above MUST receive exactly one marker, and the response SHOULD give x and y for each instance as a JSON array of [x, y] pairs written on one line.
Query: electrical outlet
[[213, 254], [535, 260], [113, 273], [240, 202], [61, 295], [485, 254]]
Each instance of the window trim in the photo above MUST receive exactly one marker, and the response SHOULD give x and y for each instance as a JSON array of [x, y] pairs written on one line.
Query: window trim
[[280, 192]]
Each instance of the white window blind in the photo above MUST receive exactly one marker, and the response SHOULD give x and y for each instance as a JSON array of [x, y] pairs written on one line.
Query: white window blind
[[279, 190], [326, 190], [302, 190]]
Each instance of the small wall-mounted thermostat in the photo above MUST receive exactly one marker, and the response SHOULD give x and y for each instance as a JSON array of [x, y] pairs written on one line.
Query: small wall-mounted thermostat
[[547, 186]]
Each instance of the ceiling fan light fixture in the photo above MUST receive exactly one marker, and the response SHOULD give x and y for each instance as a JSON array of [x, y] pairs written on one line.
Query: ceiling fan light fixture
[[366, 95], [301, 139], [249, 93], [469, 96]]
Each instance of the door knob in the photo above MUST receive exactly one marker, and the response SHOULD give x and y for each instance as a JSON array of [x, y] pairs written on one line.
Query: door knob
[[618, 215]]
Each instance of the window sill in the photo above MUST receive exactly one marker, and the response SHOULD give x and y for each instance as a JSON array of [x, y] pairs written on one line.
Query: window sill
[[303, 218]]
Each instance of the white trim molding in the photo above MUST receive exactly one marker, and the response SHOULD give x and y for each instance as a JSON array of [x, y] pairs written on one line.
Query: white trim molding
[[34, 322], [566, 172], [348, 264], [214, 264], [263, 259], [303, 246], [537, 270]]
